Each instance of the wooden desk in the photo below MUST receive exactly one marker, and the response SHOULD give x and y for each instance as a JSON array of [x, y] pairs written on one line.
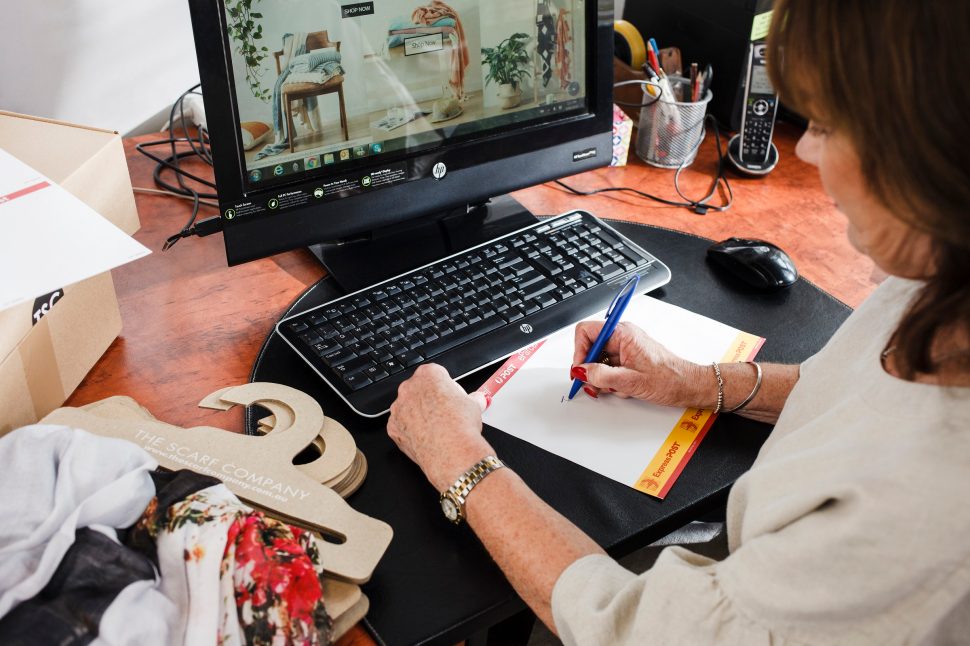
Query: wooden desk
[[192, 325]]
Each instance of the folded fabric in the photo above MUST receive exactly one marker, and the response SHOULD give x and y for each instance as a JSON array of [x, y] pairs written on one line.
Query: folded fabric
[[276, 575], [57, 480], [314, 59], [403, 24], [90, 579], [319, 77]]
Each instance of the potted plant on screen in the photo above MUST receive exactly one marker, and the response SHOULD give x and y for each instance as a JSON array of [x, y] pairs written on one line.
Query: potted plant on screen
[[508, 64]]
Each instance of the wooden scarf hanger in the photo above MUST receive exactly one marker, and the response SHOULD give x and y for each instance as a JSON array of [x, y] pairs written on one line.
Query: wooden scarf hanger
[[260, 469]]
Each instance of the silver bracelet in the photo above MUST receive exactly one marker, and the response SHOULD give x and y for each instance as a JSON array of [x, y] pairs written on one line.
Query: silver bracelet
[[754, 391], [720, 388]]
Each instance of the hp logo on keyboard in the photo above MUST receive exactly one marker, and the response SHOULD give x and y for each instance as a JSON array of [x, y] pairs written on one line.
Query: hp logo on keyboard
[[526, 328], [439, 170]]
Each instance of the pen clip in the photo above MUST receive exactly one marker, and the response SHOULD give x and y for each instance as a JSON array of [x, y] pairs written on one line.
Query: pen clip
[[634, 281]]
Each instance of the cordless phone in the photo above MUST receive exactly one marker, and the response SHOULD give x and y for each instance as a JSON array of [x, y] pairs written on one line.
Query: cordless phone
[[751, 150]]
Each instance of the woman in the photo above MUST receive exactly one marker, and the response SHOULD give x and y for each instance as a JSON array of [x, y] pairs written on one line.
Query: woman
[[851, 526]]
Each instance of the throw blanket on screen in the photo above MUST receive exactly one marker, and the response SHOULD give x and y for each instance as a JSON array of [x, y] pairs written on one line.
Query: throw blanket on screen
[[431, 13], [563, 38]]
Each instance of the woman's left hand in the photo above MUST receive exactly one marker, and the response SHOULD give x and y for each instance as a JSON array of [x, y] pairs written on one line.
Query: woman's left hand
[[436, 424]]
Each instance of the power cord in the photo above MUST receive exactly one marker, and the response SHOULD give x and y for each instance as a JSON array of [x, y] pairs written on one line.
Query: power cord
[[198, 147], [700, 206]]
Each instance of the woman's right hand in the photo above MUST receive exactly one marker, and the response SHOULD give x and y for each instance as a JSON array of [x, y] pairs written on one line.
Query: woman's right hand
[[640, 367]]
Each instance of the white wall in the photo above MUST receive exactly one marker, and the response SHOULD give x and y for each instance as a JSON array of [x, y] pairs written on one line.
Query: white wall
[[108, 63]]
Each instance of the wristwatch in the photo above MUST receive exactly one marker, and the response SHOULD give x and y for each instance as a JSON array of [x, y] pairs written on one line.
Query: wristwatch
[[453, 498]]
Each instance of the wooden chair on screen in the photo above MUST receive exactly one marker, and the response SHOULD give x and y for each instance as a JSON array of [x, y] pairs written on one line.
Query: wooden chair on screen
[[299, 91]]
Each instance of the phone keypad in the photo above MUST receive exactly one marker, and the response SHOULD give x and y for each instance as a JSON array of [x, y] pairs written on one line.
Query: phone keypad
[[758, 124]]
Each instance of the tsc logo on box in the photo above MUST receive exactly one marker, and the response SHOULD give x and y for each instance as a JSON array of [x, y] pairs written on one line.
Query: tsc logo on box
[[44, 304]]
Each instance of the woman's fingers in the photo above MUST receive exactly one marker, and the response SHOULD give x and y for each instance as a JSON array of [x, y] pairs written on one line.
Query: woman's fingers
[[614, 379]]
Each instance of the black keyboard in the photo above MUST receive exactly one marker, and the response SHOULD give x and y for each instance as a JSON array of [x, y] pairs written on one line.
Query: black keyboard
[[469, 309]]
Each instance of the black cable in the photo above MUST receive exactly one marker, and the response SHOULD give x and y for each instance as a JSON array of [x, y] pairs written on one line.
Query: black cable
[[197, 148], [699, 206]]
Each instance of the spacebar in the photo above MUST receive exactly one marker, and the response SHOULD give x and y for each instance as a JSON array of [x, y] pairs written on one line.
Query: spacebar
[[460, 336]]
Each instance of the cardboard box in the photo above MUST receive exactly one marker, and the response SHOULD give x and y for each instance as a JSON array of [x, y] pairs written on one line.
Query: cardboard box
[[47, 347]]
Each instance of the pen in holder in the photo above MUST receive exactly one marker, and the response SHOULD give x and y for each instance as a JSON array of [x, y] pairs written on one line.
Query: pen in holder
[[670, 131]]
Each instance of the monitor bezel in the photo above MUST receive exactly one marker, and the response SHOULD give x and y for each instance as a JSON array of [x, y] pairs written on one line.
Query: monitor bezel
[[491, 165]]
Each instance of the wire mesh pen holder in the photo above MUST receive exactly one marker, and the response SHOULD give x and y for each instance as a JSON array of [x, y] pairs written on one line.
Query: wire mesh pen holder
[[670, 132]]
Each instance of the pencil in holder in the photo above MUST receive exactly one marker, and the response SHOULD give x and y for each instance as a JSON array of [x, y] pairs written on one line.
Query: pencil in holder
[[670, 131]]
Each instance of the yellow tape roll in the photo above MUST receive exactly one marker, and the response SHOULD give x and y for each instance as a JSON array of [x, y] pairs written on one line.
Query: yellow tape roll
[[628, 44]]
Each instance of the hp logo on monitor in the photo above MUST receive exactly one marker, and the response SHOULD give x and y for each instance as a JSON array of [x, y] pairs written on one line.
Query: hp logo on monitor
[[439, 170]]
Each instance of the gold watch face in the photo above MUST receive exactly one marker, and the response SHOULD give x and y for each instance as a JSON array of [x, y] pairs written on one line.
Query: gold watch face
[[450, 509]]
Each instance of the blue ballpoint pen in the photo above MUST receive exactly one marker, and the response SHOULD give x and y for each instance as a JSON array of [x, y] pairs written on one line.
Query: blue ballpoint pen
[[613, 314]]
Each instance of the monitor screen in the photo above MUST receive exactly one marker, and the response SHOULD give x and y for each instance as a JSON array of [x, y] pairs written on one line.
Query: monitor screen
[[329, 119]]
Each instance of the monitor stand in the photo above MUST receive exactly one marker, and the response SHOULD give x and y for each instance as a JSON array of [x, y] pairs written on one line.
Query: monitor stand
[[395, 250]]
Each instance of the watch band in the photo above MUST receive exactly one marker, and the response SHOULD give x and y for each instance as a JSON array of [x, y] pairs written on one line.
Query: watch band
[[458, 492]]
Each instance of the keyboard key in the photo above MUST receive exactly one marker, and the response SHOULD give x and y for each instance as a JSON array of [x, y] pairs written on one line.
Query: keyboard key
[[353, 366], [359, 348], [324, 348], [360, 301], [609, 271], [346, 307], [297, 326], [393, 365], [610, 239], [461, 336], [538, 288], [410, 358], [545, 300], [344, 339], [375, 373], [344, 325], [356, 382], [523, 281], [326, 330], [311, 337], [547, 266], [337, 358], [634, 257], [358, 319], [587, 279]]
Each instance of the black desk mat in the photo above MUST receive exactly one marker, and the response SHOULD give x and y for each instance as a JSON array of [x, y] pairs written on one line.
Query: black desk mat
[[436, 583]]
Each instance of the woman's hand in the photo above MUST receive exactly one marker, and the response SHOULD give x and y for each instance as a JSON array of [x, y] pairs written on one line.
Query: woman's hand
[[438, 426], [640, 367]]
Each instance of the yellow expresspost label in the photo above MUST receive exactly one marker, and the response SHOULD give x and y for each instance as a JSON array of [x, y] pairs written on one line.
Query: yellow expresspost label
[[686, 436]]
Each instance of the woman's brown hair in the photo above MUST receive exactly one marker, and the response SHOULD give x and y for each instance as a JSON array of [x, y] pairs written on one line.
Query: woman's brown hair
[[890, 75]]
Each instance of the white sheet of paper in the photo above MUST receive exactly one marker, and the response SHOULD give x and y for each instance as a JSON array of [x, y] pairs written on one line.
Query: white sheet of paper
[[614, 437], [49, 238]]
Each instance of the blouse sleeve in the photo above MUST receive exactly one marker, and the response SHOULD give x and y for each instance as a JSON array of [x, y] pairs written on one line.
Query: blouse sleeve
[[832, 575], [678, 601]]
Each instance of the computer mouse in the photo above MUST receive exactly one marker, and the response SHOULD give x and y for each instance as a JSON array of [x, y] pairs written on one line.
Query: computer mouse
[[756, 263]]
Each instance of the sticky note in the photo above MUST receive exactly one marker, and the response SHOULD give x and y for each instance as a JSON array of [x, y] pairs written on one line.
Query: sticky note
[[759, 28]]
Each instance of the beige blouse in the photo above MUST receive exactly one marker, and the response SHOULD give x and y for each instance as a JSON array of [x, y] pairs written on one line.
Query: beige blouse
[[852, 526]]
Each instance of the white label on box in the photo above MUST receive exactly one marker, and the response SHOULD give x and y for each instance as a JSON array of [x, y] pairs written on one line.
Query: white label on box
[[49, 237]]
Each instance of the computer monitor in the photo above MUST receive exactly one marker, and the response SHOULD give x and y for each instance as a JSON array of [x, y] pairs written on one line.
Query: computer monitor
[[334, 121]]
